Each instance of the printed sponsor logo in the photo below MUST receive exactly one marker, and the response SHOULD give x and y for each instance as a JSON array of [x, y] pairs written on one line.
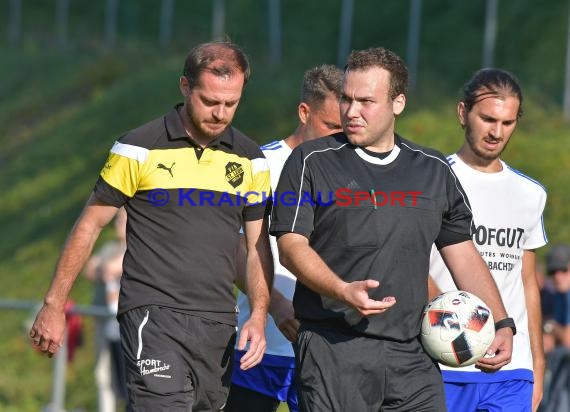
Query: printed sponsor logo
[[168, 169], [500, 236], [503, 237], [154, 367]]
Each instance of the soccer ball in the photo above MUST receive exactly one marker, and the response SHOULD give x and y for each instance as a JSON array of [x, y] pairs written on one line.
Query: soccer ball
[[457, 328]]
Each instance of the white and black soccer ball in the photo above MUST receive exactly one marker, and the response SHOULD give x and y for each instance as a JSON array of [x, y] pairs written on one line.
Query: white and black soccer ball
[[457, 328]]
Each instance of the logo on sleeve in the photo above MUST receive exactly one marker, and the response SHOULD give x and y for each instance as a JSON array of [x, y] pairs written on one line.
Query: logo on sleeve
[[234, 174], [106, 168]]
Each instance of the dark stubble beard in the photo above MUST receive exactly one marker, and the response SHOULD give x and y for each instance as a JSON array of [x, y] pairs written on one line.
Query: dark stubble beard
[[204, 133], [480, 153]]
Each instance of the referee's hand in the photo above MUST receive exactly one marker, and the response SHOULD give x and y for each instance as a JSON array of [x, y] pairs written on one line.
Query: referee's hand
[[252, 332], [356, 295]]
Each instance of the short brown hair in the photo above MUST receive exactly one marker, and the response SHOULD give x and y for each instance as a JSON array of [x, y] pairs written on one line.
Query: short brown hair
[[223, 58], [319, 82], [385, 59]]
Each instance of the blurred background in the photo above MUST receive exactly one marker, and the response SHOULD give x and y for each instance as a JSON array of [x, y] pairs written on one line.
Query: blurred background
[[76, 74]]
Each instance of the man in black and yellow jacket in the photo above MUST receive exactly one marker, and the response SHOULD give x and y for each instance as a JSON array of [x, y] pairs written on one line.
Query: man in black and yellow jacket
[[188, 181]]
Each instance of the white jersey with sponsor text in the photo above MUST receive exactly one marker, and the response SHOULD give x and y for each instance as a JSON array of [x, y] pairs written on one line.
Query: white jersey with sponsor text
[[284, 281], [507, 215]]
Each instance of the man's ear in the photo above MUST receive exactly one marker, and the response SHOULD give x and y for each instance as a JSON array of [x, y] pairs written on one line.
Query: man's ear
[[398, 104], [304, 112], [184, 86], [462, 114]]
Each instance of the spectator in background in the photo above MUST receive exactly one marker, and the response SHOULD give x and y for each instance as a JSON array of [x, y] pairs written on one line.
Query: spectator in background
[[558, 267], [104, 269], [557, 378], [546, 286]]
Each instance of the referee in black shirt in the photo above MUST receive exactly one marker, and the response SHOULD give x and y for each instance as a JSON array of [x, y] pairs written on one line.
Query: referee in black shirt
[[368, 206]]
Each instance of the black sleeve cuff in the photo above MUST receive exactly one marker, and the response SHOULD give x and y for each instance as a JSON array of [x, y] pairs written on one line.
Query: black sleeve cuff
[[108, 194], [257, 211], [448, 237]]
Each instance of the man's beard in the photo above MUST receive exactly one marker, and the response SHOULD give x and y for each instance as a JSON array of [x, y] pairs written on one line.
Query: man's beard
[[484, 154], [197, 125]]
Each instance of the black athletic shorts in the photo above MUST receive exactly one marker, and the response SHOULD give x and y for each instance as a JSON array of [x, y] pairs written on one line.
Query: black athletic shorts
[[247, 400], [342, 371], [176, 361]]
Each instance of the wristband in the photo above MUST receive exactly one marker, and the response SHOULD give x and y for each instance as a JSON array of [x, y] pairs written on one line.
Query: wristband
[[506, 323]]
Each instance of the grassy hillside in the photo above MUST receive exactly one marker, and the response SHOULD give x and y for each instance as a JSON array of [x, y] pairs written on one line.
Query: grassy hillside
[[61, 111]]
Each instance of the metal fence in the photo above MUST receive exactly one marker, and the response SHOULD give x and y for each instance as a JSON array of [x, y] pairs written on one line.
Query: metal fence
[[57, 403], [167, 9]]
